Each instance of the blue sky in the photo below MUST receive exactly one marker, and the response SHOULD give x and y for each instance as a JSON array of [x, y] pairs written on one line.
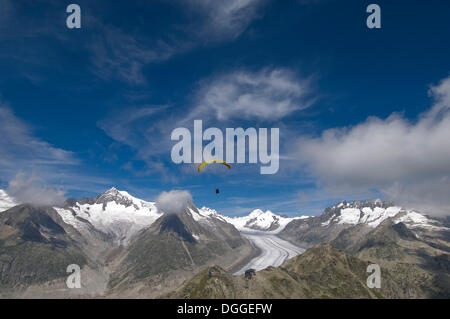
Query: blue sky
[[364, 111]]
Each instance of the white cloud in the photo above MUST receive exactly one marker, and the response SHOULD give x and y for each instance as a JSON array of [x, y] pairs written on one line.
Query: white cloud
[[269, 94], [407, 161], [173, 202], [34, 190]]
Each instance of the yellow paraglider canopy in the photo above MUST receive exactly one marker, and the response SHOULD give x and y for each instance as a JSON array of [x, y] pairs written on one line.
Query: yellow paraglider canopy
[[200, 167]]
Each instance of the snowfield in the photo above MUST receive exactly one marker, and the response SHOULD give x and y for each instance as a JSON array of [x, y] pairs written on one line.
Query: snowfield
[[366, 215], [115, 213], [274, 251]]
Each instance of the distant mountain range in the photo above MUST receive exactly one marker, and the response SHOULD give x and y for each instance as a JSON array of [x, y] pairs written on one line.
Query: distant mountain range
[[261, 221], [364, 215], [127, 248], [414, 248]]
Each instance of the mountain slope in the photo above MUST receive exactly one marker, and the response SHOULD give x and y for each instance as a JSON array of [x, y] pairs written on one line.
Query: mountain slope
[[321, 272], [420, 259], [35, 247], [119, 241], [174, 248]]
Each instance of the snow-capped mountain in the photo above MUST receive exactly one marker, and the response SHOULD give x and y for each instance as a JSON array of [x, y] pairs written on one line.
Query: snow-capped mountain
[[355, 220], [6, 201], [257, 220], [372, 213], [115, 213]]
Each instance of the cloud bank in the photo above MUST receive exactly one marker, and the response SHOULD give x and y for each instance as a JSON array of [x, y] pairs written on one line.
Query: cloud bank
[[33, 190], [408, 162]]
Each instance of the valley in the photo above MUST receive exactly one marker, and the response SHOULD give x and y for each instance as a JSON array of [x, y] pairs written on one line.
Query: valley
[[274, 251]]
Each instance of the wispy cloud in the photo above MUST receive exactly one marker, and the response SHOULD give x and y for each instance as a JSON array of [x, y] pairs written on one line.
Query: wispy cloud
[[146, 130], [20, 148], [269, 94], [123, 56], [223, 20], [116, 53], [407, 161], [131, 126], [30, 163]]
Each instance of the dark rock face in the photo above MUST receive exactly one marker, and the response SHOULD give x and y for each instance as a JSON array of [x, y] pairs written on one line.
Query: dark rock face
[[113, 195], [172, 223], [32, 222]]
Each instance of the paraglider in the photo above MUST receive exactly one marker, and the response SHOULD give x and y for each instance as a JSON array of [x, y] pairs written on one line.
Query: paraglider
[[200, 167]]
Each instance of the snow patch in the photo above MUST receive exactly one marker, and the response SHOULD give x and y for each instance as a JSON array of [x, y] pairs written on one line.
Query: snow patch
[[414, 219]]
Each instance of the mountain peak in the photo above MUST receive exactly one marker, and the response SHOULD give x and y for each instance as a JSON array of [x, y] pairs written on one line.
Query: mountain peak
[[111, 192], [119, 197], [115, 213], [259, 220], [259, 212]]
